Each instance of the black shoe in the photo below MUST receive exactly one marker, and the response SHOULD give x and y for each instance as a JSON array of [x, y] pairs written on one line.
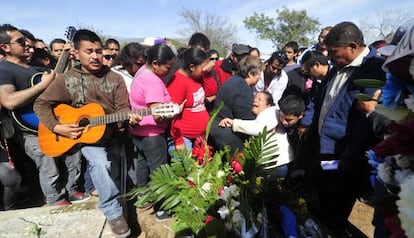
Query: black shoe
[[119, 227], [161, 216]]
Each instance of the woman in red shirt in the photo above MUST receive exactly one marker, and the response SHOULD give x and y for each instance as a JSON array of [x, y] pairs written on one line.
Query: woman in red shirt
[[186, 85]]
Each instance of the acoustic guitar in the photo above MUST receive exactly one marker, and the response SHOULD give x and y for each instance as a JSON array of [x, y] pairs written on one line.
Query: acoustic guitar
[[25, 117], [91, 116]]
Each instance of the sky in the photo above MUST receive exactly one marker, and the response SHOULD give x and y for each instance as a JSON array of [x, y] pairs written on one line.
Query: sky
[[48, 19]]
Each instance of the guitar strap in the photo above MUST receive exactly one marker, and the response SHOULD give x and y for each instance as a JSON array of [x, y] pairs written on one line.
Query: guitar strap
[[4, 146]]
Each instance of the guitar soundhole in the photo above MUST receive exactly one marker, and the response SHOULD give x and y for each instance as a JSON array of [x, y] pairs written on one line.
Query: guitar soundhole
[[84, 122]]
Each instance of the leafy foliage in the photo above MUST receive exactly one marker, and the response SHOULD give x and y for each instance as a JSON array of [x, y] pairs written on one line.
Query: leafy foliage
[[289, 25], [209, 195], [191, 187]]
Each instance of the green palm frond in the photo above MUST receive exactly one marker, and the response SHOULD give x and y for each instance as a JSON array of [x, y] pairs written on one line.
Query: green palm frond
[[262, 151], [183, 162], [213, 116]]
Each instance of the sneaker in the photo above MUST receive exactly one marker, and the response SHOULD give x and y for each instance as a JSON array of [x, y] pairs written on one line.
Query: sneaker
[[61, 203], [119, 227], [78, 197], [161, 216]]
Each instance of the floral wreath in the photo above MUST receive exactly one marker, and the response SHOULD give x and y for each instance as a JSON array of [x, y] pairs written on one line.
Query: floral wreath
[[228, 195]]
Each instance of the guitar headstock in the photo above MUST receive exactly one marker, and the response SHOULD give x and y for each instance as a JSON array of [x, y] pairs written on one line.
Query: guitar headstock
[[167, 110], [70, 33]]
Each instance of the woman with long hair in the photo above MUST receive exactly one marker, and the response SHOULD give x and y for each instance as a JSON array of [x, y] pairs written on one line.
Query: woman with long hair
[[187, 86], [148, 90]]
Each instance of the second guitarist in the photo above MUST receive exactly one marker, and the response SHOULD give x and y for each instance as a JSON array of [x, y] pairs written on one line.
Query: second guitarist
[[90, 82]]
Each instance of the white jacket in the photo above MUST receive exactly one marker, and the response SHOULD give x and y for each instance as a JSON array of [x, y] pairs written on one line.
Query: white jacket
[[268, 118]]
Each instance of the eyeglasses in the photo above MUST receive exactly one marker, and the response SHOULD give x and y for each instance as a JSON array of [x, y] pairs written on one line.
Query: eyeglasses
[[21, 41], [108, 57], [214, 58]]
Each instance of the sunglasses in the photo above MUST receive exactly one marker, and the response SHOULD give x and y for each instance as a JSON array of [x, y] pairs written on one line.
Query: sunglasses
[[214, 58], [21, 41], [108, 57]]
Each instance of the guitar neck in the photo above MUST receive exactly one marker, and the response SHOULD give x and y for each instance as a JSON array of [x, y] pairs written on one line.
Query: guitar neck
[[62, 62], [116, 117]]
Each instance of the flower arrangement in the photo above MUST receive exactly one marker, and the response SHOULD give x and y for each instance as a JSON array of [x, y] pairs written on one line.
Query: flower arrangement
[[225, 194], [393, 158]]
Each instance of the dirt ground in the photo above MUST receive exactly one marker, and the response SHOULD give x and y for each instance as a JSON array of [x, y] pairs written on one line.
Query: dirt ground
[[361, 218]]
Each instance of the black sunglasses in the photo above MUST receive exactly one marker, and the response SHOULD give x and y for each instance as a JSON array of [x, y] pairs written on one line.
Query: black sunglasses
[[108, 57], [214, 58], [21, 41]]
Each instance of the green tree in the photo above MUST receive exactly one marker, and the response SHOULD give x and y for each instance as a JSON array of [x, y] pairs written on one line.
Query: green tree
[[289, 25], [218, 29]]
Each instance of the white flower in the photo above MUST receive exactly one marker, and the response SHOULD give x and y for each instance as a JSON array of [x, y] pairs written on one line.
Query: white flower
[[385, 172], [206, 187], [234, 190], [410, 102], [224, 212], [260, 217], [404, 161], [225, 195], [234, 204], [228, 192], [406, 206], [401, 175], [228, 226], [236, 218], [220, 173]]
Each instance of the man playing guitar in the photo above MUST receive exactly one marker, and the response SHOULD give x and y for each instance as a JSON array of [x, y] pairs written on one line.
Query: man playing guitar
[[90, 82]]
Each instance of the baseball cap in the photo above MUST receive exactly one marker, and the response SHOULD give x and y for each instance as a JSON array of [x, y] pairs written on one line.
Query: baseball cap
[[150, 41], [398, 35], [240, 49]]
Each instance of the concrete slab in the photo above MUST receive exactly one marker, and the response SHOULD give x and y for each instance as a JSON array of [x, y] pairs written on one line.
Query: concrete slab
[[76, 220]]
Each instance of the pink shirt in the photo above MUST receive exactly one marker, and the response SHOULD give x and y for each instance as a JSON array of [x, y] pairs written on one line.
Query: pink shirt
[[148, 88]]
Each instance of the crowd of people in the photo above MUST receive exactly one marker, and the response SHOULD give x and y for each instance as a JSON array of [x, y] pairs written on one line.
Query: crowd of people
[[304, 95]]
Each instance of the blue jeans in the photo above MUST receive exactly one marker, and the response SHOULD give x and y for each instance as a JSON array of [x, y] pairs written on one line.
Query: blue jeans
[[101, 161], [152, 152], [11, 180], [53, 184], [171, 146]]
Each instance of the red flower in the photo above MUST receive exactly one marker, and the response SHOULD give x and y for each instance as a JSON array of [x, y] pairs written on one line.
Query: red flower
[[191, 184], [202, 151], [208, 219], [229, 179], [237, 167], [198, 152], [220, 191]]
